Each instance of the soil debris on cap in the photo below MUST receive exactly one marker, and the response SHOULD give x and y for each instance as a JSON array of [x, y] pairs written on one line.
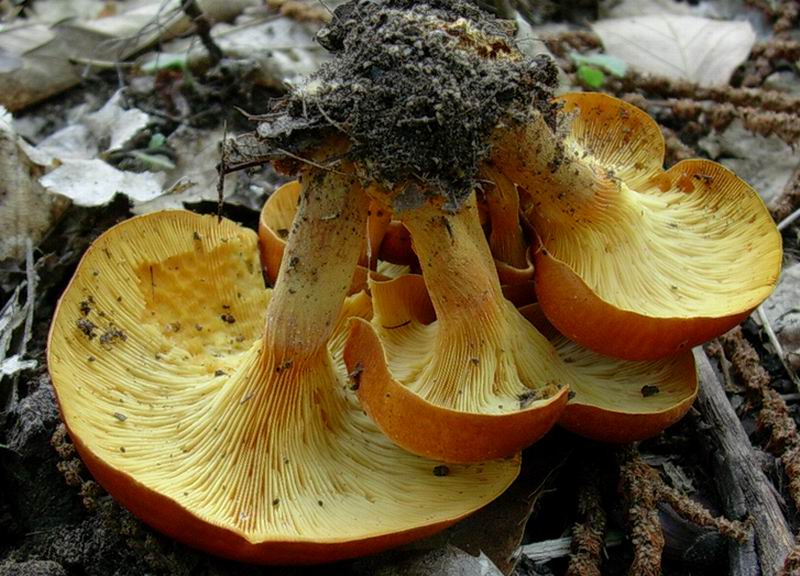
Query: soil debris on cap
[[418, 89]]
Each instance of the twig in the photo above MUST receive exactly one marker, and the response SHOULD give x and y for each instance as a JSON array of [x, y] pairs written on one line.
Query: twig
[[203, 27], [311, 162], [638, 488], [30, 274], [789, 220], [101, 64], [784, 207], [221, 172], [547, 550], [740, 481], [784, 125], [773, 415], [773, 339]]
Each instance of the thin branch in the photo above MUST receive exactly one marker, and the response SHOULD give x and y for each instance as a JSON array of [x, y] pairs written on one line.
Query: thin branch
[[773, 339], [203, 27], [741, 481], [789, 220]]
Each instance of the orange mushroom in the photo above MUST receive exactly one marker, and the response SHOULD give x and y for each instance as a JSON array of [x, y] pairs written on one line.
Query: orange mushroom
[[634, 261], [477, 383], [234, 430], [614, 400]]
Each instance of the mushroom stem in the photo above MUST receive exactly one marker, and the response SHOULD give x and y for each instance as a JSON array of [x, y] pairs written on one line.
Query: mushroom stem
[[560, 180], [506, 240], [475, 368], [321, 255], [456, 263]]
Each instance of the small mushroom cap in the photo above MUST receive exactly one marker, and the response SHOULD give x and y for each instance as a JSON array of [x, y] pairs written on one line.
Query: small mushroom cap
[[157, 362], [408, 373], [510, 275], [274, 225], [653, 262], [616, 400]]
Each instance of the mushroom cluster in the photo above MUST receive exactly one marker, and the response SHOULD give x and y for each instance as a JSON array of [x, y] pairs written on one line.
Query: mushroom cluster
[[463, 263]]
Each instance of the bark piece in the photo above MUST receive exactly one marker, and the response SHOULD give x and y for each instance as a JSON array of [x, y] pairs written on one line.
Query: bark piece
[[740, 480]]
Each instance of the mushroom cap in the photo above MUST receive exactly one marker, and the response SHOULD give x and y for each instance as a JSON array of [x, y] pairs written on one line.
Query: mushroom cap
[[511, 275], [653, 262], [615, 400], [157, 362], [441, 396], [274, 225]]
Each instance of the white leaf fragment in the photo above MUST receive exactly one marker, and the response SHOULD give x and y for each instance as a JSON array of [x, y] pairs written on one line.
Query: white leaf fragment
[[14, 364], [783, 312], [26, 209], [118, 124], [679, 47], [93, 182], [764, 162]]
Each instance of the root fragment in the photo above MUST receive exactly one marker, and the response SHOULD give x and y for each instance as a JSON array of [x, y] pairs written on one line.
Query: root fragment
[[588, 534], [773, 417], [642, 490], [639, 485]]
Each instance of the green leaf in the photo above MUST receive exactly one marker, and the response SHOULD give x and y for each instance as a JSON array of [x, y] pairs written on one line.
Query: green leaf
[[164, 61], [157, 140], [153, 161], [610, 64], [591, 76]]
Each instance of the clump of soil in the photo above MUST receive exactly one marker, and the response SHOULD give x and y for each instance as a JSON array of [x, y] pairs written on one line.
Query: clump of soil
[[417, 89]]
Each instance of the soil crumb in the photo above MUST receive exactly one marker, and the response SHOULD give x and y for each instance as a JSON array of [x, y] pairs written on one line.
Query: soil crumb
[[418, 89]]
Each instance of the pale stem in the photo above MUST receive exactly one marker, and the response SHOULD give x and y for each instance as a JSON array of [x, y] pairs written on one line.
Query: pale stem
[[324, 244], [456, 261], [556, 177]]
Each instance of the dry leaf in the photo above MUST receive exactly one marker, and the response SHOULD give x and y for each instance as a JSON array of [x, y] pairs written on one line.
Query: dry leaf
[[783, 312], [679, 47], [116, 124], [26, 210], [94, 183], [445, 561], [197, 154], [36, 58], [628, 8]]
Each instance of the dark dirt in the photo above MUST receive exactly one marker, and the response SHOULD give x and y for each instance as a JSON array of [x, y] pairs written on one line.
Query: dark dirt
[[417, 89]]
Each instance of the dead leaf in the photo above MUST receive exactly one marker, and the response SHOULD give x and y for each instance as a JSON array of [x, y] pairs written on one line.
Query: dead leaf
[[627, 8], [115, 123], [197, 155], [275, 50], [37, 56], [783, 312], [13, 364], [26, 209], [679, 47], [445, 561], [94, 183], [497, 530]]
